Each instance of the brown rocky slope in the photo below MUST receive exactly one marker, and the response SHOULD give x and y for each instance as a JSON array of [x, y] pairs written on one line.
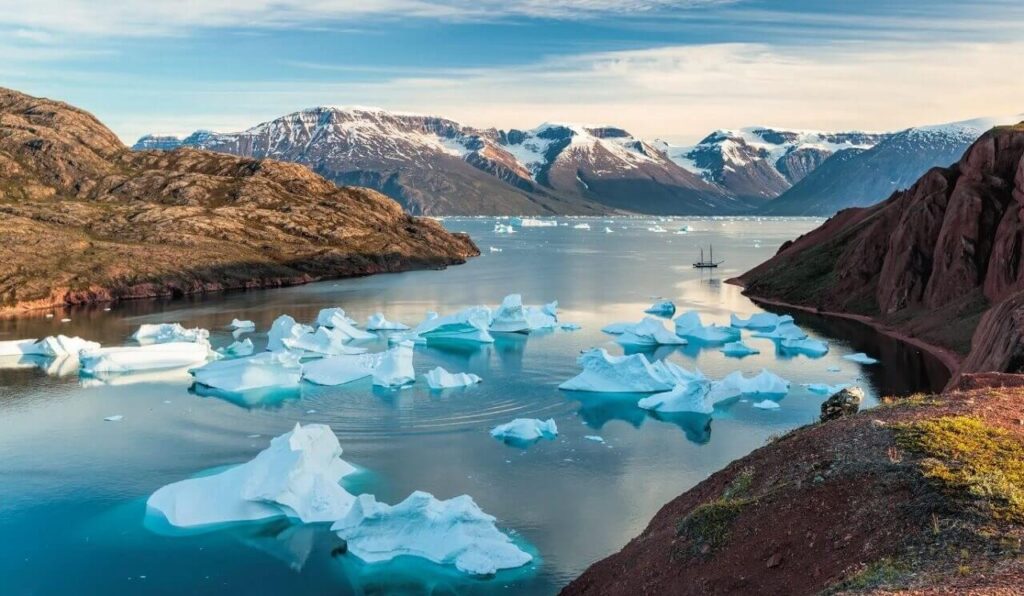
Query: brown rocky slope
[[84, 219], [940, 261]]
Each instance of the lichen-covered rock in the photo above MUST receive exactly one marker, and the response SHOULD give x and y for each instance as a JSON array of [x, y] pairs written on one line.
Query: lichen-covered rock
[[844, 403]]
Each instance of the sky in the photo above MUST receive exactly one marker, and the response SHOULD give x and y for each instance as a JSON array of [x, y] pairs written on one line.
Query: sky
[[668, 69]]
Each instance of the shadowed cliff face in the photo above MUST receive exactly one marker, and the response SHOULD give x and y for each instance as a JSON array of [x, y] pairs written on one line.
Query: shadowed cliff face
[[82, 218], [930, 259]]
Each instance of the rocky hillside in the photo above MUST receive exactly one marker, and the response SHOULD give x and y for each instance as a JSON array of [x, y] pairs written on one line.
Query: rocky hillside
[[86, 219], [940, 260], [866, 176], [436, 166]]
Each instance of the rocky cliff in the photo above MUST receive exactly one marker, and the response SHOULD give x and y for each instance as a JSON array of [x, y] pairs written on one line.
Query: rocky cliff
[[86, 219], [940, 260]]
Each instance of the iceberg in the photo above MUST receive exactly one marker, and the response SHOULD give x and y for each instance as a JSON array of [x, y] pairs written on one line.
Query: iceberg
[[735, 384], [440, 378], [861, 358], [551, 309], [328, 317], [21, 347], [495, 249], [608, 230], [49, 347], [238, 349], [767, 404], [662, 307], [451, 532], [570, 326], [395, 367], [691, 396], [605, 373], [338, 370], [503, 229], [689, 325], [149, 357], [616, 328], [325, 340], [513, 317], [298, 476], [284, 327], [266, 370], [738, 349], [528, 222], [470, 324], [648, 332], [164, 333], [808, 347], [581, 226], [825, 389], [784, 330], [525, 430], [761, 320], [377, 322], [239, 325], [657, 229]]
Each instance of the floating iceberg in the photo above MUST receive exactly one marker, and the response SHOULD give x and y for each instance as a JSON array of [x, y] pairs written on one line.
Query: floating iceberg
[[784, 330], [284, 327], [570, 326], [452, 532], [528, 222], [395, 367], [691, 396], [503, 229], [325, 340], [150, 357], [657, 229], [738, 349], [861, 358], [239, 325], [238, 349], [164, 333], [338, 370], [808, 347], [329, 317], [279, 370], [296, 476], [581, 226], [525, 430], [495, 249], [616, 328], [513, 317], [767, 404], [594, 438], [735, 384], [662, 307], [825, 389], [377, 322], [50, 347], [470, 324], [761, 320], [439, 378], [21, 347], [689, 325], [608, 230], [605, 373], [648, 332], [115, 418]]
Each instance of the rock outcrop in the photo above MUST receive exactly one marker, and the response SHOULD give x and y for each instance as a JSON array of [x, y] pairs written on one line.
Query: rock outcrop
[[844, 403], [83, 218]]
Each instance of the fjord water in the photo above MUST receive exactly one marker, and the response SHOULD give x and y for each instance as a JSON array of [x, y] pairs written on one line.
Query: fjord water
[[73, 489]]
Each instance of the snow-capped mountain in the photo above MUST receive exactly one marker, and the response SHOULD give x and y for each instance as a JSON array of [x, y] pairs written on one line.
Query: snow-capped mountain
[[760, 163], [858, 178], [437, 166]]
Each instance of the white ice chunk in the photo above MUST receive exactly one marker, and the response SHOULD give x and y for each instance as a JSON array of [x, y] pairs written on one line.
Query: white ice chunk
[[325, 340], [266, 370], [115, 418], [238, 349], [784, 330], [377, 322], [164, 333], [761, 320], [662, 307], [738, 349], [735, 384], [395, 367], [527, 222], [608, 230], [297, 476], [809, 347], [594, 438], [338, 370], [570, 326], [525, 430], [513, 317], [648, 332], [452, 532], [581, 226], [691, 396], [825, 388], [767, 404], [149, 357], [52, 346], [689, 325], [616, 328], [470, 325], [861, 358], [240, 325], [503, 229], [605, 373], [21, 347], [495, 249], [327, 317], [440, 378], [284, 327]]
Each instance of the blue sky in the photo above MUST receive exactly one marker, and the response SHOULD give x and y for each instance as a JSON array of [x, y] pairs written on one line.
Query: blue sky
[[673, 69]]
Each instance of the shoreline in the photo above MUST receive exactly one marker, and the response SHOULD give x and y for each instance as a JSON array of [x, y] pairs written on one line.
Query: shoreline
[[950, 359]]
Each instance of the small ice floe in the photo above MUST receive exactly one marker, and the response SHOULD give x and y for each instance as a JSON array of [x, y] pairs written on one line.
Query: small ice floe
[[395, 367], [268, 370], [662, 307], [808, 347], [297, 476], [495, 249], [238, 349], [605, 373], [525, 430], [616, 328], [116, 418], [761, 320], [693, 395], [735, 385], [50, 347], [469, 325], [689, 325], [529, 222], [861, 358], [284, 327], [681, 232], [513, 317], [657, 229], [149, 357], [581, 226], [570, 327], [648, 332], [608, 230], [738, 349], [767, 404], [450, 532], [240, 325], [500, 228], [338, 370], [377, 322], [440, 378], [325, 340], [164, 333], [784, 330], [594, 438], [329, 317], [825, 388]]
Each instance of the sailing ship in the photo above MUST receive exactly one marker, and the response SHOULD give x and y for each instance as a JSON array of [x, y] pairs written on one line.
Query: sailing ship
[[710, 263]]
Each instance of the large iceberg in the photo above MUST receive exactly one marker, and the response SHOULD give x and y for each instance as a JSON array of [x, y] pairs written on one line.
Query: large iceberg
[[377, 322], [470, 325], [263, 371], [525, 430], [784, 330], [50, 347], [284, 327], [605, 373], [328, 317], [338, 370], [691, 396], [807, 346], [861, 358], [395, 367], [662, 307], [648, 332], [761, 320], [325, 340], [738, 349], [298, 475], [451, 532], [164, 333], [440, 378], [689, 325], [513, 317], [149, 357], [735, 384]]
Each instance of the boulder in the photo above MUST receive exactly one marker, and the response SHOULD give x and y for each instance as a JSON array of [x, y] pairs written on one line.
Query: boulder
[[844, 403]]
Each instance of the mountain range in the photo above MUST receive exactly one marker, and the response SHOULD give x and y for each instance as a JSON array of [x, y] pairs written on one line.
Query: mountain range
[[437, 166]]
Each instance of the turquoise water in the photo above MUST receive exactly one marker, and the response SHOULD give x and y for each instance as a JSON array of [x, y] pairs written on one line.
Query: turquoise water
[[72, 498]]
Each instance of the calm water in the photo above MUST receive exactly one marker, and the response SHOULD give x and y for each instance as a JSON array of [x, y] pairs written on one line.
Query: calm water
[[73, 489]]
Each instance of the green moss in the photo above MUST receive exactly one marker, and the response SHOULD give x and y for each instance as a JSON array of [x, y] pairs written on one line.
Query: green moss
[[885, 571], [971, 461], [708, 526]]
